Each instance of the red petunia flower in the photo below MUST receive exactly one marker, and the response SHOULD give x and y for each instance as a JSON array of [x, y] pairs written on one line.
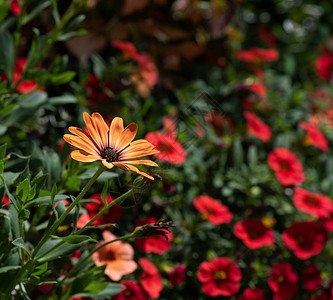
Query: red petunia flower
[[266, 36], [15, 7], [151, 280], [305, 238], [99, 91], [154, 244], [170, 149], [253, 233], [113, 215], [257, 127], [128, 49], [219, 276], [314, 136], [311, 278], [257, 55], [132, 291], [177, 275], [4, 201], [288, 169], [283, 281], [212, 210], [316, 205], [253, 294], [324, 66], [328, 221]]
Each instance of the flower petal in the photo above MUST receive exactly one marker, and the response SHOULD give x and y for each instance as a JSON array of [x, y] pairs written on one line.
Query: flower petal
[[126, 136], [117, 268], [137, 146], [92, 130], [140, 161], [116, 128], [80, 155], [83, 135], [101, 127], [80, 143], [107, 164], [132, 168], [138, 154]]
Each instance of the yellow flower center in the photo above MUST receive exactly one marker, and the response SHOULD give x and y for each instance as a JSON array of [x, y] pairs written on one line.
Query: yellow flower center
[[109, 154], [280, 279], [220, 275]]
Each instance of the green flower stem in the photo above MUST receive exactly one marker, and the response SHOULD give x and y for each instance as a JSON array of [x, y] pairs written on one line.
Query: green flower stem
[[85, 227], [103, 210], [79, 264], [68, 210]]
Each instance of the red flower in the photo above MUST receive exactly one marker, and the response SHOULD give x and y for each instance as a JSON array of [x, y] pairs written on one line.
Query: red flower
[[288, 169], [98, 91], [127, 48], [113, 215], [212, 210], [151, 280], [15, 7], [311, 278], [26, 86], [253, 294], [177, 275], [266, 36], [314, 136], [257, 127], [283, 281], [132, 291], [253, 233], [219, 276], [258, 55], [170, 149], [316, 205], [324, 66], [155, 244], [328, 221], [5, 200], [305, 238]]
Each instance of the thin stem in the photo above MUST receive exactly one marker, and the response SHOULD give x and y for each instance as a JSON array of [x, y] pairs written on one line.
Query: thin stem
[[56, 224], [79, 264], [85, 227]]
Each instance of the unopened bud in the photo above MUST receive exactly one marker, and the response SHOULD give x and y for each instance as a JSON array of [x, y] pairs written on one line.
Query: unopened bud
[[147, 230], [142, 184]]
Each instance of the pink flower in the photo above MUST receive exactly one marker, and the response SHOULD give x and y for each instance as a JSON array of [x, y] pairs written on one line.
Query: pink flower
[[117, 256]]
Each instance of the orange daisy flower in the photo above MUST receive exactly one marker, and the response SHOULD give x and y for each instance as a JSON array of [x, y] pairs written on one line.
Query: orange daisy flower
[[112, 145]]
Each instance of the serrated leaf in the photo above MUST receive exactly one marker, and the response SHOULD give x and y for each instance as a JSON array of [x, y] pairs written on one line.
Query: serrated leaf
[[75, 239], [23, 189]]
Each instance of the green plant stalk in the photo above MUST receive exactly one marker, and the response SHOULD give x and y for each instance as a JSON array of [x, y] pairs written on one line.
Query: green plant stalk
[[79, 264], [102, 211], [51, 39], [68, 210], [53, 228]]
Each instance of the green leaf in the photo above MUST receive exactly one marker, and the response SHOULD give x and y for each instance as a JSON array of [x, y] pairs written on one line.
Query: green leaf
[[75, 239], [63, 77], [41, 269], [73, 183], [64, 250], [7, 53], [53, 194], [110, 290], [3, 151], [45, 200], [20, 244], [39, 181], [9, 268], [7, 109], [62, 100], [3, 9], [23, 189], [34, 99], [104, 191], [36, 11]]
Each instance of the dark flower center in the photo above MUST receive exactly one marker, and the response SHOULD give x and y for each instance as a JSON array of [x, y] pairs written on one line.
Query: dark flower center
[[164, 148], [109, 154], [284, 166], [311, 201]]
